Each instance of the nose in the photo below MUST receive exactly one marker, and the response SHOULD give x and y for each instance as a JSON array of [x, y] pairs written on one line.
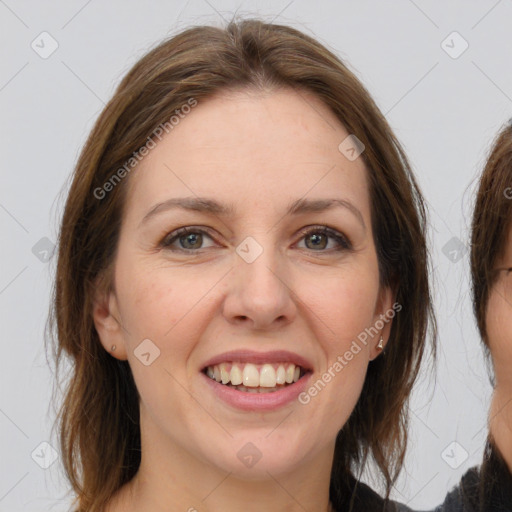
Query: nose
[[259, 294]]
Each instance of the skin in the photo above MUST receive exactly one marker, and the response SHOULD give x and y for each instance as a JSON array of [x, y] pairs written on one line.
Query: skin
[[499, 327], [264, 150]]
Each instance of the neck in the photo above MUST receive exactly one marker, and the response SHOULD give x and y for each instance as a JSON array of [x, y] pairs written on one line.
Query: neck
[[170, 479], [500, 422]]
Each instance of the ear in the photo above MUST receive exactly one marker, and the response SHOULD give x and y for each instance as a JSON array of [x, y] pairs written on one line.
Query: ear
[[385, 310], [107, 321]]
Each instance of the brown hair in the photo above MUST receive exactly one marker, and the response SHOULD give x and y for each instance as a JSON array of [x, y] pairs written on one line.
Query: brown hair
[[492, 217], [99, 417]]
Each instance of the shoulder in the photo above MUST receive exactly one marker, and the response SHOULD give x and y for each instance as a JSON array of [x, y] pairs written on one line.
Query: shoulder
[[464, 496]]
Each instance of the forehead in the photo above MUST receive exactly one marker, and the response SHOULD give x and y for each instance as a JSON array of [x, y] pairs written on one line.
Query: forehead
[[255, 146]]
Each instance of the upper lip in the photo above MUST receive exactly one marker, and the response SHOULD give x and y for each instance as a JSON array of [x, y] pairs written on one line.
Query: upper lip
[[251, 356]]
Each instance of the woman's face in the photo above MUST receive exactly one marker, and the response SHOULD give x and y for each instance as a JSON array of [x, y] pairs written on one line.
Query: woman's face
[[246, 291], [499, 319]]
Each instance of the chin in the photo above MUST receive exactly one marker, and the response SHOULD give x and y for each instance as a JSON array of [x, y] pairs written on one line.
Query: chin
[[252, 458]]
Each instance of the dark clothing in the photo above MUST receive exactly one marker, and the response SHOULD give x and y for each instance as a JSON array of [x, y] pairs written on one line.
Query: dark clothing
[[361, 498], [487, 488], [484, 489]]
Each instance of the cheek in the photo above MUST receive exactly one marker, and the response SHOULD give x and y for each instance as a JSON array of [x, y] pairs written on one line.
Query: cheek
[[156, 301], [343, 305], [499, 328], [157, 306], [344, 315]]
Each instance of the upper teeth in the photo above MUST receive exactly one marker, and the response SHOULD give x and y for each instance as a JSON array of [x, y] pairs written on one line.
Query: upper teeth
[[253, 375]]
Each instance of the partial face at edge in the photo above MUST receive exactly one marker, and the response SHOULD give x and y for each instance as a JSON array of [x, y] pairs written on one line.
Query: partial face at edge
[[196, 296], [499, 318]]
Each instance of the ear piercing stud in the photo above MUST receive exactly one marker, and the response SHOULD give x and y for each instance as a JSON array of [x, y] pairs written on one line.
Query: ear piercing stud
[[113, 348], [380, 345]]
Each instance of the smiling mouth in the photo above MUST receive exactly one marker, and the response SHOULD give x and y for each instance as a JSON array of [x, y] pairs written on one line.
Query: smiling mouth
[[255, 378]]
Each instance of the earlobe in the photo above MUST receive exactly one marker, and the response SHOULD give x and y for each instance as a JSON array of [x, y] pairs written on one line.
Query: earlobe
[[107, 323], [378, 347], [384, 314]]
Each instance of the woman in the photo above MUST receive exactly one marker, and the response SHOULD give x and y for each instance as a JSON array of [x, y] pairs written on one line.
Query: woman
[[242, 240], [489, 488]]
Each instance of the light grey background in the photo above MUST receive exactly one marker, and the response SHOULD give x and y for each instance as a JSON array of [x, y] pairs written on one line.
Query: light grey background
[[445, 111]]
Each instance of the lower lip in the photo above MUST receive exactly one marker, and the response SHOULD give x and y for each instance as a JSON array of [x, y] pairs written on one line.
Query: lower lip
[[258, 401]]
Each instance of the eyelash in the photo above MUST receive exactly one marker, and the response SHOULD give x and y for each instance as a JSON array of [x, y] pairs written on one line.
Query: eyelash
[[343, 241]]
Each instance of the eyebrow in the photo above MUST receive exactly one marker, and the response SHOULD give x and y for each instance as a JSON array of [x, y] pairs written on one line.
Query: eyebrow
[[207, 205]]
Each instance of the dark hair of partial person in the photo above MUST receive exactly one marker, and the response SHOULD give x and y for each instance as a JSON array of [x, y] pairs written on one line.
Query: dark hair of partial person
[[99, 416], [488, 487]]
